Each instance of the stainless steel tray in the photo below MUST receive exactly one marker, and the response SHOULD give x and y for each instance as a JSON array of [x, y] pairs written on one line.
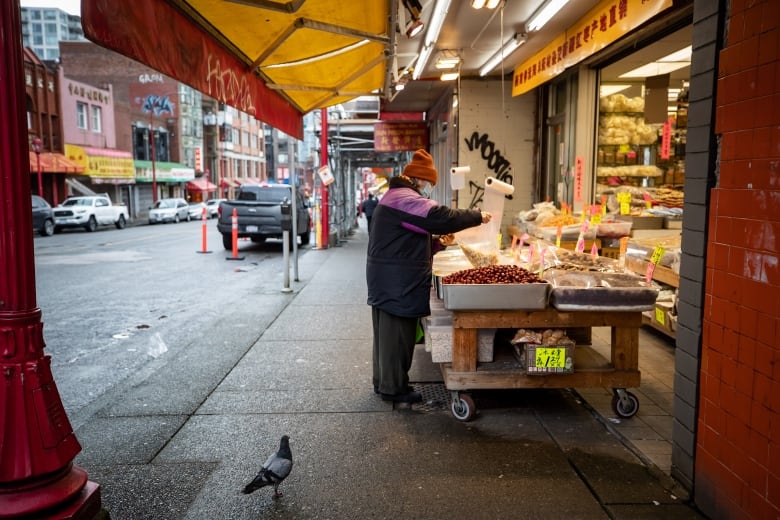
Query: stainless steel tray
[[516, 296]]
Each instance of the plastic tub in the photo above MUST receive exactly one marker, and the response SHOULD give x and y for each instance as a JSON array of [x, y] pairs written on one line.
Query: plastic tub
[[614, 229]]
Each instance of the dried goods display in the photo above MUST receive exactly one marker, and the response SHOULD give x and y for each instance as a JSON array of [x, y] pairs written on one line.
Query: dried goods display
[[574, 261], [478, 257], [495, 287], [496, 274], [582, 291]]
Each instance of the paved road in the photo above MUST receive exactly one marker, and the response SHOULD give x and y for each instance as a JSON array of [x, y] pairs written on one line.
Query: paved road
[[117, 304]]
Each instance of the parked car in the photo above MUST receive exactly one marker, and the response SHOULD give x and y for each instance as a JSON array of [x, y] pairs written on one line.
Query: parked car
[[42, 216], [196, 211], [259, 214], [169, 210], [89, 212], [212, 206]]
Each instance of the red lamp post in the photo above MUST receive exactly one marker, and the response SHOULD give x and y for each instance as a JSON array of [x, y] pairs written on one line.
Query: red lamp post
[[153, 154], [37, 476], [37, 148]]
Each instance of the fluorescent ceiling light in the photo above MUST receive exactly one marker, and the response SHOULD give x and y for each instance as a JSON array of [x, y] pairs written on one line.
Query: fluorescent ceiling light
[[447, 60], [655, 68], [681, 55], [436, 21], [479, 4], [508, 48], [422, 60], [449, 76], [543, 15], [608, 90], [669, 63]]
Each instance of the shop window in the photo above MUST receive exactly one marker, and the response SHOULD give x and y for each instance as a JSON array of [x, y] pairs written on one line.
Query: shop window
[[96, 119], [81, 115]]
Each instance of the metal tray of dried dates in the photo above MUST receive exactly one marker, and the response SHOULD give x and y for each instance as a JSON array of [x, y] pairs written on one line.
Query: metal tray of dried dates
[[527, 292], [593, 291]]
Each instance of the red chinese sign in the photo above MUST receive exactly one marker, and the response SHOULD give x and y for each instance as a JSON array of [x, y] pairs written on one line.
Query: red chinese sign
[[399, 136]]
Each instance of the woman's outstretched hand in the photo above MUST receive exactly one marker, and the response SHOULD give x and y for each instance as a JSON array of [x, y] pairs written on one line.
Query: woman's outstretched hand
[[486, 217]]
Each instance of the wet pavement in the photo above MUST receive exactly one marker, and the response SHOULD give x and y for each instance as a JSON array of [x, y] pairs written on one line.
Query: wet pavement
[[182, 443]]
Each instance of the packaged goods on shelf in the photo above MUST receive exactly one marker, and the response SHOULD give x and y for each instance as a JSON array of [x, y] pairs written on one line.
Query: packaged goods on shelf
[[615, 229], [438, 340], [642, 248], [568, 233], [592, 291], [544, 352], [622, 103], [633, 170]]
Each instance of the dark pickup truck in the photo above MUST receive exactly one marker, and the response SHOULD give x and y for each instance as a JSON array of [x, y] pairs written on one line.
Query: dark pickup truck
[[259, 212]]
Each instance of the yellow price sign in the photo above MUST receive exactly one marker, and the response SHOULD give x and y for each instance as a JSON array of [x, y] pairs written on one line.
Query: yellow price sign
[[659, 315], [658, 254], [595, 219], [625, 208], [553, 357]]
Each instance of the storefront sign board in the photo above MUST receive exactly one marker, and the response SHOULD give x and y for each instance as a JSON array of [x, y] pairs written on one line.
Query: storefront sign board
[[603, 25], [399, 136]]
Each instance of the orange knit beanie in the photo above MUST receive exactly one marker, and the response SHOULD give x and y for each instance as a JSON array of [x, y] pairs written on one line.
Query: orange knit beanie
[[421, 167]]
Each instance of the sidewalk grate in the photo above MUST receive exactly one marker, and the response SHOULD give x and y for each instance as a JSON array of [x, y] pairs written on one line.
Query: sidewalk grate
[[435, 396]]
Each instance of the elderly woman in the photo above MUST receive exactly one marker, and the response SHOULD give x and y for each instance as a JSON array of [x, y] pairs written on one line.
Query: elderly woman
[[407, 228]]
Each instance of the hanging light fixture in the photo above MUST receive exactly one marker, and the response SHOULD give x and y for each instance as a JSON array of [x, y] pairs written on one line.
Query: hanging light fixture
[[447, 60], [414, 26], [508, 48]]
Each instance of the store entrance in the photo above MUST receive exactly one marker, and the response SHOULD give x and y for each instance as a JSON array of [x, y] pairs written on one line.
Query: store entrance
[[559, 139]]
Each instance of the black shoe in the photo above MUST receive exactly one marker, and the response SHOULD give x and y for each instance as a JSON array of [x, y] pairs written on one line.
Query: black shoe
[[408, 389], [408, 397]]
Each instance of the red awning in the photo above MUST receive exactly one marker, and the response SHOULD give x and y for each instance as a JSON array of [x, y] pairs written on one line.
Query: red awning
[[54, 163], [228, 182], [142, 31], [247, 180], [201, 184]]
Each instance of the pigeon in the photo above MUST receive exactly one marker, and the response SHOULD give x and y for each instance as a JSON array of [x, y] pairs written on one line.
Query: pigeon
[[276, 468]]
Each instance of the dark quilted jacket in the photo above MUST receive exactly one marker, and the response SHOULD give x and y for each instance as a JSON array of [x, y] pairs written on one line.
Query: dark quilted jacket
[[398, 268]]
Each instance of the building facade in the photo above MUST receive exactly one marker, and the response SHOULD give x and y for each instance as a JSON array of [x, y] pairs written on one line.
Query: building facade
[[43, 28]]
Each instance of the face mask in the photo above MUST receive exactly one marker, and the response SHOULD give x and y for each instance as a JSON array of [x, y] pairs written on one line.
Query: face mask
[[426, 190]]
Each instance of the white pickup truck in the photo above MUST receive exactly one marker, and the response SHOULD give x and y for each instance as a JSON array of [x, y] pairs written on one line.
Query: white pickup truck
[[89, 212]]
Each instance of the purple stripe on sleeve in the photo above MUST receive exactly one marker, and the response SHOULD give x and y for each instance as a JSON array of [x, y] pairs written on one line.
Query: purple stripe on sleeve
[[413, 228]]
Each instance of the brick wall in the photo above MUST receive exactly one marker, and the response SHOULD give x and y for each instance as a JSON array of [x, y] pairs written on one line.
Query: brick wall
[[738, 440]]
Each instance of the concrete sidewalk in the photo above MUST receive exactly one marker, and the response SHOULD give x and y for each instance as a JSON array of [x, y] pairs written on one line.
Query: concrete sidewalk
[[300, 364]]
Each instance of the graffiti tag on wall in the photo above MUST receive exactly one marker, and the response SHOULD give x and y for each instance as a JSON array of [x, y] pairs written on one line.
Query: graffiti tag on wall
[[495, 162], [227, 86]]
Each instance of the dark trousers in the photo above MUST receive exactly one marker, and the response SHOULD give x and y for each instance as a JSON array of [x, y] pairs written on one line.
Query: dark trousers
[[394, 339]]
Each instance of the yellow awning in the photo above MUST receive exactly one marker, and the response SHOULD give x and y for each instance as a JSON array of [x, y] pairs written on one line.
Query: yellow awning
[[256, 55]]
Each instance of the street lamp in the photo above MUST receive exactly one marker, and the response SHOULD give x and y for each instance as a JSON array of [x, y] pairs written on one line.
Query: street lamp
[[153, 153], [37, 146]]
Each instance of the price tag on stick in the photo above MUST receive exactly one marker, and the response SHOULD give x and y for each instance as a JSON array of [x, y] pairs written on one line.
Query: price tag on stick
[[655, 259]]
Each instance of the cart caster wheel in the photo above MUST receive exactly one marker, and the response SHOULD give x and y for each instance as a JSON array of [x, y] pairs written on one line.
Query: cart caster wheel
[[625, 404], [463, 407]]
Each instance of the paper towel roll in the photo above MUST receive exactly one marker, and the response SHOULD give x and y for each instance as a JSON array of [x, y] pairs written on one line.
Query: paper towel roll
[[501, 187], [458, 177]]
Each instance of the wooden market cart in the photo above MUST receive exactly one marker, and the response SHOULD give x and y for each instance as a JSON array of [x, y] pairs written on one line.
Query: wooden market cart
[[591, 369]]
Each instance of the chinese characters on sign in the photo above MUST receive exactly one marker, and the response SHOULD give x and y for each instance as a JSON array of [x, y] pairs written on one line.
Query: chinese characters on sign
[[399, 136], [604, 24]]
